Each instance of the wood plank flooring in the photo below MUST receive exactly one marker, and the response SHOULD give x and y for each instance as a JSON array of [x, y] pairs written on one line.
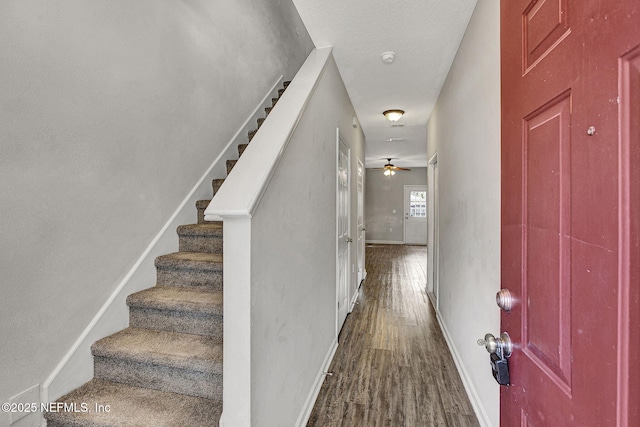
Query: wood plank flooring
[[393, 367]]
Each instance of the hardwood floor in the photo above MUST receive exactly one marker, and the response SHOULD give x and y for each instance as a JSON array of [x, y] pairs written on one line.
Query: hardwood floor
[[393, 366]]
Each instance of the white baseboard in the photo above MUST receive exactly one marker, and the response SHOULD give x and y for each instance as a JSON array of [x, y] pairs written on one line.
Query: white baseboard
[[354, 298], [474, 398], [385, 242], [76, 367], [303, 418]]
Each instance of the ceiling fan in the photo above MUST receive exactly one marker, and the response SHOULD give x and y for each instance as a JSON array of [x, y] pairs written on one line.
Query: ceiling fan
[[390, 169]]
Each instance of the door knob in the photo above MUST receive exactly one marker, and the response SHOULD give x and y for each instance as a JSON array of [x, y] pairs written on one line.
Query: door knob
[[504, 299], [492, 344]]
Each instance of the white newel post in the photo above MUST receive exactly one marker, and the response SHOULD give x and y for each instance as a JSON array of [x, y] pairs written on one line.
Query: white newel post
[[237, 323]]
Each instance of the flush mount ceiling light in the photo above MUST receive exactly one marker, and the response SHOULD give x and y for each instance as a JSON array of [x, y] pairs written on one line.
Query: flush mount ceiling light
[[393, 115]]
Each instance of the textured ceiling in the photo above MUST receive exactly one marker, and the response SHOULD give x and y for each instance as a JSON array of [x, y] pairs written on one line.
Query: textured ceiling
[[424, 34]]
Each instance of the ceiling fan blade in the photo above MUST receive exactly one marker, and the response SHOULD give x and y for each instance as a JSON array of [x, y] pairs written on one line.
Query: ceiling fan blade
[[401, 169]]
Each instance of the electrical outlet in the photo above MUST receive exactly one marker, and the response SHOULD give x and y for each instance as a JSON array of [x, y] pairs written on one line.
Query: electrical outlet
[[390, 230], [26, 400], [394, 211]]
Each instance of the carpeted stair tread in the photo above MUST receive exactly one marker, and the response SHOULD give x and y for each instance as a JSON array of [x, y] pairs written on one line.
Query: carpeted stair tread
[[209, 229], [161, 348], [131, 406], [190, 260], [241, 148], [197, 269], [178, 299]]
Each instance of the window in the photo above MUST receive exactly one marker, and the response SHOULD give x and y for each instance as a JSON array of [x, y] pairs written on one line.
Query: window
[[418, 204]]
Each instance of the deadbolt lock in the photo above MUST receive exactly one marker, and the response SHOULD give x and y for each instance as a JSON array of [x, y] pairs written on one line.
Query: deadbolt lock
[[504, 299]]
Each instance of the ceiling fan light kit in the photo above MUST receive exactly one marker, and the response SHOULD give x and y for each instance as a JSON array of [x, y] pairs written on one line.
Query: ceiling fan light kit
[[389, 169], [393, 115]]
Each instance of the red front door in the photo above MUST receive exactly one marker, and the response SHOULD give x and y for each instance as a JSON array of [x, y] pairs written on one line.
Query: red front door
[[570, 211]]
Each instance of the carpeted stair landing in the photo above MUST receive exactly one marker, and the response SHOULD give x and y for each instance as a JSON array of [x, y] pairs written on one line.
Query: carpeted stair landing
[[165, 369]]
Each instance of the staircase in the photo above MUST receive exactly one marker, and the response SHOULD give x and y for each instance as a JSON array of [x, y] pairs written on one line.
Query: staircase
[[165, 369]]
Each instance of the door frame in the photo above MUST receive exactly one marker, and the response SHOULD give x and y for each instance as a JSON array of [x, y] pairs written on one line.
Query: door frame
[[341, 140], [432, 230]]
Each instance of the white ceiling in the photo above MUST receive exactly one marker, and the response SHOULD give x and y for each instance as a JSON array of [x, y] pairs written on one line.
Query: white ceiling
[[424, 34]]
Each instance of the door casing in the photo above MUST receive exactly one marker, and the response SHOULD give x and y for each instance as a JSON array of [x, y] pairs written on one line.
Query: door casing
[[343, 229], [433, 227]]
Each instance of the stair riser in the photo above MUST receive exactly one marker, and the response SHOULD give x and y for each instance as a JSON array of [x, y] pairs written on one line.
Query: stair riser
[[209, 244], [201, 216], [189, 278], [215, 185], [230, 165], [177, 321], [163, 378]]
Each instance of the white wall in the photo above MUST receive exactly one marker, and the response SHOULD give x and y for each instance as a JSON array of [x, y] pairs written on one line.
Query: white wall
[[111, 110], [293, 252], [464, 130], [383, 195]]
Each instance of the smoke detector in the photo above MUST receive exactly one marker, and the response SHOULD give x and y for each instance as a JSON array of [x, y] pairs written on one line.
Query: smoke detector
[[388, 57]]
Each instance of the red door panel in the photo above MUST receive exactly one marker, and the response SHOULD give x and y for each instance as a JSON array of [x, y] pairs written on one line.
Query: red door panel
[[570, 210]]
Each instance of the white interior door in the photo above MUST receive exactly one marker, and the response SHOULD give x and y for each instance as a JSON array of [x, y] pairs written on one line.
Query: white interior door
[[415, 214], [360, 242], [343, 237]]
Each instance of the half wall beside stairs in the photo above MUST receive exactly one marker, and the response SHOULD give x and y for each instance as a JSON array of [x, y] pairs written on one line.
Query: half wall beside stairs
[[279, 211]]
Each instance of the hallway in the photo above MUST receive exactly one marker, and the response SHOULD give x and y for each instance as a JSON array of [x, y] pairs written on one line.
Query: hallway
[[393, 367]]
